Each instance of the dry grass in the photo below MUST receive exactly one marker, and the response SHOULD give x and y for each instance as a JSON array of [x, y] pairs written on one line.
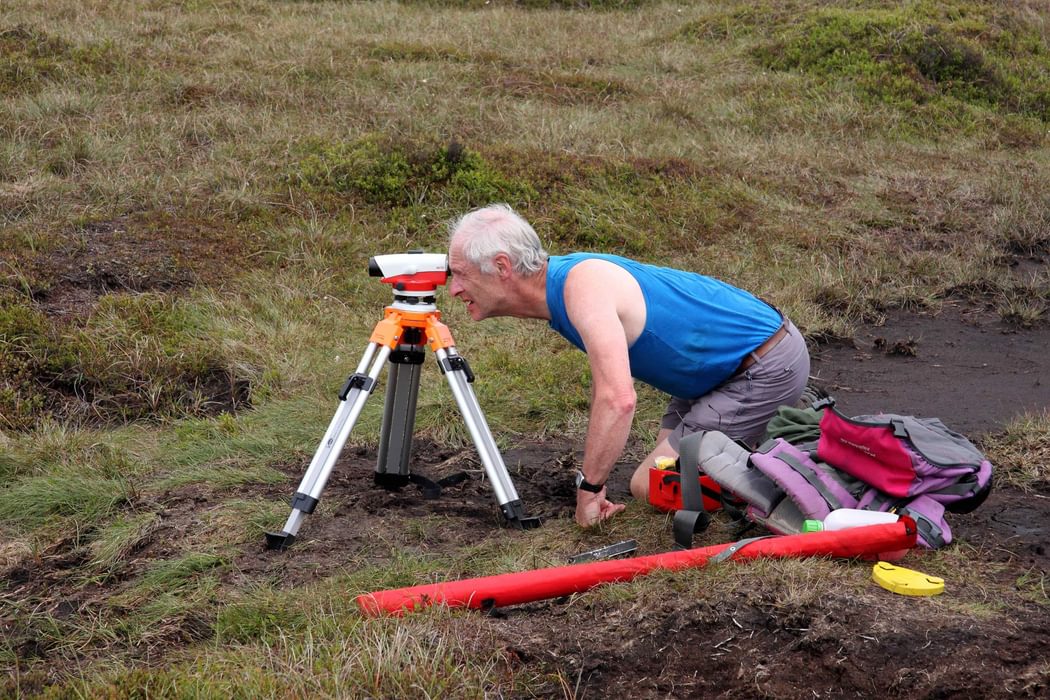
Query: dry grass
[[1022, 453]]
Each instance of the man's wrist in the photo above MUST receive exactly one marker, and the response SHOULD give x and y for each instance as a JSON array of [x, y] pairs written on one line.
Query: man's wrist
[[582, 484]]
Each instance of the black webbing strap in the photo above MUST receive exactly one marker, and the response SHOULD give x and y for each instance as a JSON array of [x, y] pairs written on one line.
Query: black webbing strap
[[691, 517], [963, 488], [432, 489], [929, 530]]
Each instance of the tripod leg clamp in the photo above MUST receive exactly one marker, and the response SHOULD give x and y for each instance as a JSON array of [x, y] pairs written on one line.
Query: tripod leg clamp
[[357, 381], [304, 503], [454, 363]]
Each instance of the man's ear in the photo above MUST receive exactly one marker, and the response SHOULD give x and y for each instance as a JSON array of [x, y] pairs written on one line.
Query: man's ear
[[501, 261]]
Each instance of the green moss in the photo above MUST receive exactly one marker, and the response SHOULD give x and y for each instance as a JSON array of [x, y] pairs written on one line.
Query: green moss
[[393, 174], [921, 54], [29, 58], [731, 24]]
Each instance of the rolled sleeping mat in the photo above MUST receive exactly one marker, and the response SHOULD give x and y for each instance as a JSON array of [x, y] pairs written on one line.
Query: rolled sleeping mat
[[728, 463]]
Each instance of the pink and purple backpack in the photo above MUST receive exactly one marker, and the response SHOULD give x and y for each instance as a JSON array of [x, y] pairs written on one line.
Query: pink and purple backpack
[[888, 462]]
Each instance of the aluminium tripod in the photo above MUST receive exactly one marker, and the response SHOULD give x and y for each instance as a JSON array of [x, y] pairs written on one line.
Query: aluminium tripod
[[399, 339]]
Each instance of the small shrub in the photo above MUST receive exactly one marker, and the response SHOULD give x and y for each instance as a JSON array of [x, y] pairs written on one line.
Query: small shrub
[[395, 175]]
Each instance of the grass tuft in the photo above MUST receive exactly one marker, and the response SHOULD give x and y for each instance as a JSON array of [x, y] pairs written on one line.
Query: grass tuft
[[1021, 453], [75, 495], [31, 355], [113, 543], [265, 616], [151, 354]]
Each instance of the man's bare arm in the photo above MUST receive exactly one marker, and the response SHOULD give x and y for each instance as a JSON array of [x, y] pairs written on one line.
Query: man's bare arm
[[593, 297]]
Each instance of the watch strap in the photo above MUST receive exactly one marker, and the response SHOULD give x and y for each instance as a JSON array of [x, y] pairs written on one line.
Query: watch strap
[[584, 485]]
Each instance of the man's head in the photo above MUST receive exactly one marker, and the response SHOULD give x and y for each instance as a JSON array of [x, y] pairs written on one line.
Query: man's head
[[489, 249], [484, 233]]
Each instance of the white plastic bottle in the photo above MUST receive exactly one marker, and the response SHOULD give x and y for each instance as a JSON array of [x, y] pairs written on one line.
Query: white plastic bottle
[[844, 518]]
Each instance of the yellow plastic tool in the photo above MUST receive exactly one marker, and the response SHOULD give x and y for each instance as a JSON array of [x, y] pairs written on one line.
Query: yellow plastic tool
[[906, 581], [665, 463]]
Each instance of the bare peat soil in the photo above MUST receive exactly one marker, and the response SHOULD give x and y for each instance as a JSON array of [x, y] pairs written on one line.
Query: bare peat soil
[[985, 640]]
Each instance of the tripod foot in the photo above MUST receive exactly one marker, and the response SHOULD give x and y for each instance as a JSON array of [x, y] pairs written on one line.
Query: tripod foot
[[514, 512], [279, 540], [390, 482]]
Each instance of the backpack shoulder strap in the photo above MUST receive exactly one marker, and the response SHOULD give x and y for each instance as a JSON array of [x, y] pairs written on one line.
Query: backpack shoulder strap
[[691, 517]]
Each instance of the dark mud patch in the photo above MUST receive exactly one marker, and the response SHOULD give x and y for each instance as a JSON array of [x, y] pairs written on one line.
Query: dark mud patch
[[148, 251], [962, 365], [1011, 528], [360, 523], [851, 646]]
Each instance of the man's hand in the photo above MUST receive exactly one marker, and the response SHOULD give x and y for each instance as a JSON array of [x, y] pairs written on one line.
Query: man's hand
[[592, 508]]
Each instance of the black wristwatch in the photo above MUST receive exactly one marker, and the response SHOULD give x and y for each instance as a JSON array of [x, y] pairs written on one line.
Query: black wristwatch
[[583, 484]]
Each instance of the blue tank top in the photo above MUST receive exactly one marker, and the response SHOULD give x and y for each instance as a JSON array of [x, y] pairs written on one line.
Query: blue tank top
[[697, 329]]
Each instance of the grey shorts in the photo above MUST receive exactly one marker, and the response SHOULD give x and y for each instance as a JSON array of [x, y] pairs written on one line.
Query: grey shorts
[[741, 406]]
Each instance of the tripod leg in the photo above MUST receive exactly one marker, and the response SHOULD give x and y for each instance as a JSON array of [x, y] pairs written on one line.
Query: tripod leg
[[352, 399], [399, 416], [459, 376]]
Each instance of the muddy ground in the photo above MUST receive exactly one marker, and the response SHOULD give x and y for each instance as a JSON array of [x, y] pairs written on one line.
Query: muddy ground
[[991, 640], [962, 365]]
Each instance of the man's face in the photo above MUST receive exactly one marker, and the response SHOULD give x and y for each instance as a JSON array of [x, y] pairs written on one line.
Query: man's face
[[476, 289]]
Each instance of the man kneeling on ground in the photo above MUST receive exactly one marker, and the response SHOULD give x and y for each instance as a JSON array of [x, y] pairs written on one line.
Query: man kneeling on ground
[[727, 358]]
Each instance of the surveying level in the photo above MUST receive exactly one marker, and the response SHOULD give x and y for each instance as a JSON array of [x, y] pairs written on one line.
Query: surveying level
[[409, 324]]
